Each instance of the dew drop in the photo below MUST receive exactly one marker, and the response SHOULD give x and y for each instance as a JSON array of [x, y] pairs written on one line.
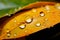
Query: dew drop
[[7, 31], [8, 34], [38, 24], [42, 14], [15, 34], [34, 10], [22, 26], [46, 19], [29, 20], [15, 21], [47, 7], [58, 6]]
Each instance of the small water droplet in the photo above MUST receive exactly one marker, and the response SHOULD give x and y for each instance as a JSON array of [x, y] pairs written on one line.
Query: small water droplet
[[38, 24], [29, 20], [42, 14], [25, 31], [34, 10], [8, 34], [22, 26], [15, 21], [46, 19], [58, 6], [47, 7], [15, 34], [7, 31]]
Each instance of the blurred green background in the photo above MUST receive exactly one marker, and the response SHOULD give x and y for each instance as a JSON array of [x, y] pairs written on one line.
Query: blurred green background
[[8, 7]]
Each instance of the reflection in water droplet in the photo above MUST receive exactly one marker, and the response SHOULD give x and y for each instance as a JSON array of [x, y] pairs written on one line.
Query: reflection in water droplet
[[25, 31]]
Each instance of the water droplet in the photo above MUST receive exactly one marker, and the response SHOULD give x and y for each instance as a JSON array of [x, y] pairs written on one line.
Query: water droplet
[[15, 34], [8, 34], [22, 26], [58, 6], [29, 20], [25, 31], [42, 14], [46, 19], [47, 7], [15, 21], [7, 31], [38, 24], [34, 10]]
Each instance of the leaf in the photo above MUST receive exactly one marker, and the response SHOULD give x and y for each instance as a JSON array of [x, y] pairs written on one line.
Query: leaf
[[28, 23], [8, 7]]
